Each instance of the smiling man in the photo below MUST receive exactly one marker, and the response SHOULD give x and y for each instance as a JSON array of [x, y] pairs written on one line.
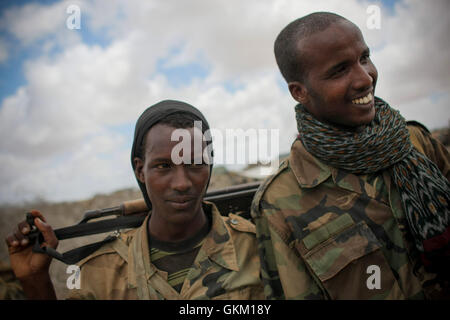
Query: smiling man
[[360, 209], [184, 249]]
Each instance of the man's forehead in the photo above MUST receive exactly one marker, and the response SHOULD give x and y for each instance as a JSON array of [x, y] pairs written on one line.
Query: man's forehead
[[333, 36], [332, 44], [161, 139]]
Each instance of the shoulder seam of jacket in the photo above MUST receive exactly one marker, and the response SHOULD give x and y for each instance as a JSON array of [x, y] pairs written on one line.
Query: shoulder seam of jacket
[[265, 184]]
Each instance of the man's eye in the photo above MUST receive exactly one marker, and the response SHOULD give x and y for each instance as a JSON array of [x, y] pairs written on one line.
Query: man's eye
[[162, 166], [338, 71], [365, 58]]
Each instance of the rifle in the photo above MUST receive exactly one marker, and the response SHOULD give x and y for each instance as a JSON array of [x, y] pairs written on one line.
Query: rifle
[[130, 214]]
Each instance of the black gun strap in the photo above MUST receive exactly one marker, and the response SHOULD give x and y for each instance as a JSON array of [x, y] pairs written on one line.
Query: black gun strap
[[89, 228], [232, 199], [75, 255]]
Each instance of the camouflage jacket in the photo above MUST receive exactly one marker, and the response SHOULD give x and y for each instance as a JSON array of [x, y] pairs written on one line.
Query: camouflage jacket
[[324, 233], [226, 267]]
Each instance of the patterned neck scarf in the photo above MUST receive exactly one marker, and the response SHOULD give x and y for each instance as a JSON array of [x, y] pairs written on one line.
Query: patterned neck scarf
[[384, 144]]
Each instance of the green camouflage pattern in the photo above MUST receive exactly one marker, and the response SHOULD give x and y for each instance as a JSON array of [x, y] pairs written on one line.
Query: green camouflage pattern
[[226, 267], [10, 287], [320, 229]]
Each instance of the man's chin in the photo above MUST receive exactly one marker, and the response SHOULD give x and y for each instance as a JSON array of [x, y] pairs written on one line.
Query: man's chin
[[362, 121], [183, 211]]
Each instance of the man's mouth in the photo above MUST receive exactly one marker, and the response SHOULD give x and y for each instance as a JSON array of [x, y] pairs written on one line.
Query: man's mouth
[[363, 100], [181, 202]]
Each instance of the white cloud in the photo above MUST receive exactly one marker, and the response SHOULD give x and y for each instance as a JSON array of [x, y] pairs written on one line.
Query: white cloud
[[33, 21], [427, 110], [60, 124], [414, 63]]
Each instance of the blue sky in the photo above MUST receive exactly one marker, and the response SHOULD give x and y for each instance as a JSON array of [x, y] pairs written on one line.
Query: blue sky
[[12, 73], [69, 98]]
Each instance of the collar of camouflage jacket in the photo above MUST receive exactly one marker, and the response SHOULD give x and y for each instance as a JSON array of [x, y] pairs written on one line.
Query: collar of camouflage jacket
[[308, 170], [218, 247], [311, 172]]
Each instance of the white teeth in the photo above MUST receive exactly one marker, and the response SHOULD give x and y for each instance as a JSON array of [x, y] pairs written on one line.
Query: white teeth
[[363, 100]]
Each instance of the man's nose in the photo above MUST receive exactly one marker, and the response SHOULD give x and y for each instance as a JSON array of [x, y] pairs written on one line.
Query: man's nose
[[363, 78], [181, 181]]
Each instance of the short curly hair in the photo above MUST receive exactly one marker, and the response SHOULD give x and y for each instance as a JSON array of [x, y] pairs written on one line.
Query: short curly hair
[[286, 49]]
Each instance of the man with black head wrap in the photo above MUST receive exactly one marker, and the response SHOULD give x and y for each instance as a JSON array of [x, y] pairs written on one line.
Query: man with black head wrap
[[184, 249]]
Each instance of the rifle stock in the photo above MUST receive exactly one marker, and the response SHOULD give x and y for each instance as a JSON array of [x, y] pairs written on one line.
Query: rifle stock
[[235, 199], [130, 214]]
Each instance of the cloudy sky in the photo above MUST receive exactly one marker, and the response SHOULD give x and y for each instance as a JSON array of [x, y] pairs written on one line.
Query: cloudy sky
[[69, 98]]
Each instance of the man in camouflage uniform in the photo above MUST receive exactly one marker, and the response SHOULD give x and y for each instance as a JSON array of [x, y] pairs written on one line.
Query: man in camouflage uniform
[[184, 249], [226, 267], [326, 230]]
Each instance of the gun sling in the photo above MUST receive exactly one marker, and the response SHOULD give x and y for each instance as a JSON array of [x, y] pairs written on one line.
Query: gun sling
[[131, 214], [83, 229]]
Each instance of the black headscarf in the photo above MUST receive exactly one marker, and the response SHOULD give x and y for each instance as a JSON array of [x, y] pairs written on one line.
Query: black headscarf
[[151, 116]]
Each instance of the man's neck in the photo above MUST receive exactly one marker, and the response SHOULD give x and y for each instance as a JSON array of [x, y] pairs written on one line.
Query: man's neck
[[163, 230]]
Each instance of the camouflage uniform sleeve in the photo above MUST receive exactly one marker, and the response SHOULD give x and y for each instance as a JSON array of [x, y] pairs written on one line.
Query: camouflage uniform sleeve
[[284, 274], [431, 147], [269, 272], [243, 232]]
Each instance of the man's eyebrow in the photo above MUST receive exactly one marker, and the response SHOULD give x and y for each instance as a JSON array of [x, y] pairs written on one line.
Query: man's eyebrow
[[160, 159], [336, 67], [342, 63]]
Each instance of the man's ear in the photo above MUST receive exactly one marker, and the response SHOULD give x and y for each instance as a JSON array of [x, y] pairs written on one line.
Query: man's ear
[[138, 165], [298, 91]]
